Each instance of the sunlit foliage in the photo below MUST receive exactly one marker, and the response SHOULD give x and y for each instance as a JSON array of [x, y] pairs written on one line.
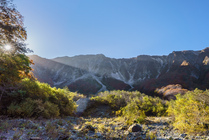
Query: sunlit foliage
[[34, 108], [190, 111], [34, 99], [14, 64], [134, 106], [12, 30]]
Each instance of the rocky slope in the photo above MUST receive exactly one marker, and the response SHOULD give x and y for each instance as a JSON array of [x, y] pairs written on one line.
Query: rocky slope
[[90, 74]]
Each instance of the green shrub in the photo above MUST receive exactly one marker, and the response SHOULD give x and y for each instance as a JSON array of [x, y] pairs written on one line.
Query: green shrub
[[34, 99], [27, 108], [14, 110], [50, 110], [116, 99], [132, 112], [63, 98], [190, 111], [133, 106], [33, 108], [152, 106]]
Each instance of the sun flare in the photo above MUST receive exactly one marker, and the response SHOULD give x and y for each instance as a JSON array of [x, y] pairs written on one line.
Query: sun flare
[[7, 47]]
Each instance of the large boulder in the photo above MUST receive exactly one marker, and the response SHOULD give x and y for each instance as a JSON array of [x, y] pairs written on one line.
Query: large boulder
[[135, 128], [82, 105]]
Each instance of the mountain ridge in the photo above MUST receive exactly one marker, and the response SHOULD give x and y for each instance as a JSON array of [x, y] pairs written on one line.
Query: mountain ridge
[[90, 74]]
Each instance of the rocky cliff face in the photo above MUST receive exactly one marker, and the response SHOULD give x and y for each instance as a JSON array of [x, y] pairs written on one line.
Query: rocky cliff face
[[94, 73]]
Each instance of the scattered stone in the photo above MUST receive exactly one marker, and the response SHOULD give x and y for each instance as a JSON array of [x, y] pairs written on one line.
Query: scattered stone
[[126, 132], [169, 138], [198, 137], [89, 127], [31, 125], [176, 138], [135, 128], [64, 137], [183, 135], [90, 134], [125, 127], [98, 134], [139, 138], [73, 137], [3, 138], [71, 128], [35, 138]]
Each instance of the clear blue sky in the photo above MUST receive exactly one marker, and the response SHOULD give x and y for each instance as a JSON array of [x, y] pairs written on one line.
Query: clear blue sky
[[115, 28]]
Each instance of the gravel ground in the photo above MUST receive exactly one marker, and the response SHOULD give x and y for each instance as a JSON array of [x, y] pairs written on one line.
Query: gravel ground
[[79, 128]]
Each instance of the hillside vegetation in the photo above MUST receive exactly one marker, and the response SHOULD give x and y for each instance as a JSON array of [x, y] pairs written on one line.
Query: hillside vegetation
[[35, 99], [133, 106], [189, 112]]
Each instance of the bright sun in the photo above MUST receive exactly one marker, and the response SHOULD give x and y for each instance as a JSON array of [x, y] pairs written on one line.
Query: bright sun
[[7, 47]]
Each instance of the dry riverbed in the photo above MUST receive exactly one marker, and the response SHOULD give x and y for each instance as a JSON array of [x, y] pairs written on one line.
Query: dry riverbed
[[79, 128]]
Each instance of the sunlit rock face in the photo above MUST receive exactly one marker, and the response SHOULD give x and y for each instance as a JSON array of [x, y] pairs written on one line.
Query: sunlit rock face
[[90, 74]]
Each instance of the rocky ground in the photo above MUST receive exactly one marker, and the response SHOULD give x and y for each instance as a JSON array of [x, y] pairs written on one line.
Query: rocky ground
[[97, 122], [79, 128]]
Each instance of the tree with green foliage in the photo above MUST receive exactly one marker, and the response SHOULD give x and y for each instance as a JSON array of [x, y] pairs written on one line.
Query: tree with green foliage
[[21, 96], [14, 64]]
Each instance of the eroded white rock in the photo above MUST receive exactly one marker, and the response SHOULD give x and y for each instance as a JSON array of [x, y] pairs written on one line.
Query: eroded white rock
[[82, 105]]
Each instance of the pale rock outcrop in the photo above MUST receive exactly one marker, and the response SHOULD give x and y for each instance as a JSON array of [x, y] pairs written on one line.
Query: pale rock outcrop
[[82, 105]]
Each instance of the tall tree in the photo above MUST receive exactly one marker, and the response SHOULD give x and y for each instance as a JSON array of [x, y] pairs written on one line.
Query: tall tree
[[14, 64]]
